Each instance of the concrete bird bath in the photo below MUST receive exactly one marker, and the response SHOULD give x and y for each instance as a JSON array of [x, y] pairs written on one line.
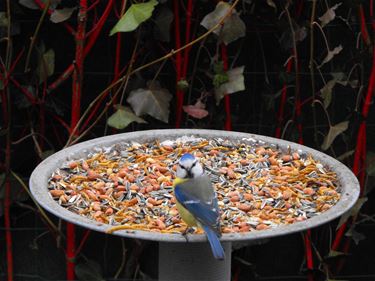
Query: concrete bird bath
[[179, 260]]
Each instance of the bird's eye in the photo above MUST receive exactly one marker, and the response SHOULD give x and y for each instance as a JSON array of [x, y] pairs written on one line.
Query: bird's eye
[[194, 164]]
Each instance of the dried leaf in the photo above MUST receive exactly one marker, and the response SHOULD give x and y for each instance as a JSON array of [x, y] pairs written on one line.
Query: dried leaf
[[271, 4], [326, 92], [329, 15], [46, 65], [163, 21], [233, 27], [236, 83], [153, 101], [123, 117], [352, 212], [331, 54], [345, 155], [333, 253], [333, 132], [134, 16], [61, 15], [89, 271], [197, 110], [355, 235]]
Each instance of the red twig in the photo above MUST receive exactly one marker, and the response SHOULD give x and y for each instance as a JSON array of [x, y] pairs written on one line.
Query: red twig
[[228, 119], [359, 164], [179, 93], [90, 43], [41, 6], [83, 241], [8, 234], [76, 111], [280, 114]]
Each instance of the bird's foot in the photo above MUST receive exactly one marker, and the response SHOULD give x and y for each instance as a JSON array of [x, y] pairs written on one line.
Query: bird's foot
[[188, 230]]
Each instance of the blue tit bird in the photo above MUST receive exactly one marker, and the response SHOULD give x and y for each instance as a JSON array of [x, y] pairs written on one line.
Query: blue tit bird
[[197, 202]]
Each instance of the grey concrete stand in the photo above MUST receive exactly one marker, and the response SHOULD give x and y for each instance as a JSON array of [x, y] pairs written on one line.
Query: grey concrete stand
[[193, 261]]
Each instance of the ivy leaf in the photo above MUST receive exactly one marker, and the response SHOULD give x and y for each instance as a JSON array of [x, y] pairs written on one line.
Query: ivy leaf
[[233, 27], [134, 16], [333, 132], [123, 117], [46, 65], [60, 15], [197, 110], [329, 15], [236, 83], [352, 212], [89, 271], [330, 55], [153, 101], [370, 159], [326, 92], [163, 21]]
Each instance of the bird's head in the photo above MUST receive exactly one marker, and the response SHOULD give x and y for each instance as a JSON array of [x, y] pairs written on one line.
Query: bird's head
[[189, 167]]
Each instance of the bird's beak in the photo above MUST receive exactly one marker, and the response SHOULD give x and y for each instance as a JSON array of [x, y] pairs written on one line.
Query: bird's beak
[[189, 174]]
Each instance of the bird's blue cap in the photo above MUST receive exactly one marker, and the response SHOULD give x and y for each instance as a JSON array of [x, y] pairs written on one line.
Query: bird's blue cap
[[187, 156]]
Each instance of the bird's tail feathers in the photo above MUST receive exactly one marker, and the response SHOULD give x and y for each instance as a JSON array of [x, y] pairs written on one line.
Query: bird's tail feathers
[[217, 249]]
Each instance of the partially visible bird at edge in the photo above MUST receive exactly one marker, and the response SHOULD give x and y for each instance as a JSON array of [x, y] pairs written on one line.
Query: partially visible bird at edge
[[197, 202]]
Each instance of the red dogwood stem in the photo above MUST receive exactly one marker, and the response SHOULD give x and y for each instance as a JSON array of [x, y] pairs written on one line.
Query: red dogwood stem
[[179, 93]]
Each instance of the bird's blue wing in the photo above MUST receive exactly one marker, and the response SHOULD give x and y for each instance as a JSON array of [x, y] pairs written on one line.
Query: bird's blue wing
[[206, 214]]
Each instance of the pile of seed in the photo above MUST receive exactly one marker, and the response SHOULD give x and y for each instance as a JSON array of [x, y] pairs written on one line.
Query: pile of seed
[[129, 185]]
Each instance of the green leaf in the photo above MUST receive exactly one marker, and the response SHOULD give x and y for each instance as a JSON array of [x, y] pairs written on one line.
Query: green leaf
[[233, 27], [3, 19], [345, 155], [134, 16], [89, 271], [182, 85], [61, 15], [163, 21], [236, 83], [123, 117], [352, 212], [220, 79], [326, 92], [333, 132], [370, 163], [219, 67], [46, 65], [153, 101]]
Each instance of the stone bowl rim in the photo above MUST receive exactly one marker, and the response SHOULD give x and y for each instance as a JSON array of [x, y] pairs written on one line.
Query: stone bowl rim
[[38, 185]]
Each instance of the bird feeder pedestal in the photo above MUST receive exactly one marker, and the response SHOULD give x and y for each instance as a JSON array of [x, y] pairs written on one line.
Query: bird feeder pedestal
[[193, 261]]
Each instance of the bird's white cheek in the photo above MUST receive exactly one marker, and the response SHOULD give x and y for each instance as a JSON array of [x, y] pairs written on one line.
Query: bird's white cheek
[[180, 173]]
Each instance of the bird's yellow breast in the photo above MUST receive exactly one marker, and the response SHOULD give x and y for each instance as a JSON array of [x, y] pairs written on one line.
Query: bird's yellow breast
[[186, 216]]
